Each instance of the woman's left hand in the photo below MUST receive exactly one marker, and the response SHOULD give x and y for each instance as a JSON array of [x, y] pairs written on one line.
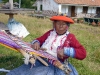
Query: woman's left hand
[[60, 53], [57, 63]]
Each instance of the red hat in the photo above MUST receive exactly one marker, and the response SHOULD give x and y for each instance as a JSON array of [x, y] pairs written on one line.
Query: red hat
[[62, 18]]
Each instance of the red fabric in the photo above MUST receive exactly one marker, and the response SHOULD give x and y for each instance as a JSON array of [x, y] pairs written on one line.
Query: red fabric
[[43, 37], [62, 18], [71, 41]]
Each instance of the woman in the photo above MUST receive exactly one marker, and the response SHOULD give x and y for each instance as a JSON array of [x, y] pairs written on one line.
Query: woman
[[59, 43]]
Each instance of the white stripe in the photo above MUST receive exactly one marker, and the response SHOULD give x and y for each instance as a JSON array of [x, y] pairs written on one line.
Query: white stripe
[[71, 52]]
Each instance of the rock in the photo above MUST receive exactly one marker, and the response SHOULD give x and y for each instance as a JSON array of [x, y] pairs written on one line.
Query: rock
[[81, 21], [98, 24], [93, 23], [75, 20]]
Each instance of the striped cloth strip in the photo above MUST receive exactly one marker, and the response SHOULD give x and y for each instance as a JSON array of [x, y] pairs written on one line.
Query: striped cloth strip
[[17, 44]]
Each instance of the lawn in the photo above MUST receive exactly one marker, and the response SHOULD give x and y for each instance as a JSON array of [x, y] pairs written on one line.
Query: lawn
[[89, 37]]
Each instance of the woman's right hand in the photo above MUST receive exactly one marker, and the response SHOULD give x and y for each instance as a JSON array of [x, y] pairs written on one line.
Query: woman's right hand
[[36, 46]]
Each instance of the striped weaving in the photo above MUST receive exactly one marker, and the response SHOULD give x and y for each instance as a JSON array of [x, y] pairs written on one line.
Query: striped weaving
[[18, 44]]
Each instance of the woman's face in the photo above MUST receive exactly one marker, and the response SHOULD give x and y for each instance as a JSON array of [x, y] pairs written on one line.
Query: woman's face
[[60, 27]]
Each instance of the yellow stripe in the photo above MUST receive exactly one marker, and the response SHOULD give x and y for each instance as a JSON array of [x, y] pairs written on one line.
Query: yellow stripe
[[36, 54], [9, 47], [33, 53]]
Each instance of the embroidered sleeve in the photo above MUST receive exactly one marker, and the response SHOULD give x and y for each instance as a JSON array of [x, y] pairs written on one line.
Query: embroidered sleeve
[[35, 41], [69, 51], [78, 51]]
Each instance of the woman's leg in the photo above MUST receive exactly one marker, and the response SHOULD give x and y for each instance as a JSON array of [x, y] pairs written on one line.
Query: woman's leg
[[38, 69], [60, 72], [19, 70], [74, 71], [23, 68]]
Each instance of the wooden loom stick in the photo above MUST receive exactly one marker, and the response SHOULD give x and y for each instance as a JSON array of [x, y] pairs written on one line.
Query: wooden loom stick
[[39, 58], [8, 47]]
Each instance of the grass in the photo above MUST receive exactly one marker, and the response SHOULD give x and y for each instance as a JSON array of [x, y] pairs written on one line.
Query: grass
[[87, 35]]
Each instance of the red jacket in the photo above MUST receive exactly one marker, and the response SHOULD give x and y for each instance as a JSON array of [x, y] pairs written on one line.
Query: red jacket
[[71, 41]]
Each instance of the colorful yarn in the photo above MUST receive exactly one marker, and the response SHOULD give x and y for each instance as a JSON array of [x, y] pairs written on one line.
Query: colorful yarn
[[17, 44], [9, 47]]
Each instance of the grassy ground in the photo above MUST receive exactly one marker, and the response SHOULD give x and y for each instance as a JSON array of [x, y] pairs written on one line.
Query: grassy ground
[[88, 36]]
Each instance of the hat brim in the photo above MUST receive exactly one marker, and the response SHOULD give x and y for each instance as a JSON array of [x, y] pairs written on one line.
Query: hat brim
[[62, 18]]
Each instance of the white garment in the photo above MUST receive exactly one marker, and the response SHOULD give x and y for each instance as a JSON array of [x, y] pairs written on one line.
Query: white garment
[[17, 28], [4, 70], [53, 42]]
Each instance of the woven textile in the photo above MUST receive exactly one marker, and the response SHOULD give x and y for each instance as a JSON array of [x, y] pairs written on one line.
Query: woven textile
[[16, 43]]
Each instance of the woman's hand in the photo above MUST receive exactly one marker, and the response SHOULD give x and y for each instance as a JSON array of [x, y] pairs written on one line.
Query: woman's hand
[[44, 49], [60, 53], [57, 63], [36, 46]]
